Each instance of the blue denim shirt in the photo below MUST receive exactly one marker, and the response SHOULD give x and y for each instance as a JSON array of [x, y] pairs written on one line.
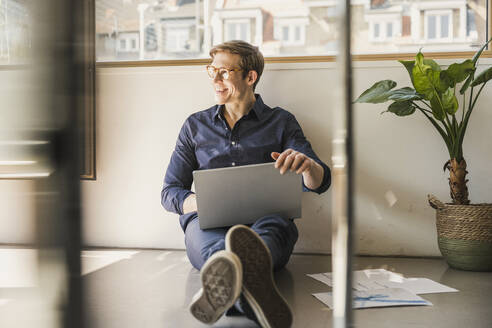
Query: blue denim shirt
[[206, 142]]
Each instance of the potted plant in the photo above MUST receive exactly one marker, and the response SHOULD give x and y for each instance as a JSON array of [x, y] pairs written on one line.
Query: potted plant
[[464, 230]]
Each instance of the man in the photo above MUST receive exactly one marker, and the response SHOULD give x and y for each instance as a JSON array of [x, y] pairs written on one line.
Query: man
[[236, 263]]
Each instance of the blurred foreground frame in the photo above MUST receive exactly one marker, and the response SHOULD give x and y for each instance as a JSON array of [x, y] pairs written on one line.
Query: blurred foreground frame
[[87, 119], [28, 140]]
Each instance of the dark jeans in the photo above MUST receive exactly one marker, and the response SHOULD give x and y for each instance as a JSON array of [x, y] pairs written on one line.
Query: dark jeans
[[279, 234]]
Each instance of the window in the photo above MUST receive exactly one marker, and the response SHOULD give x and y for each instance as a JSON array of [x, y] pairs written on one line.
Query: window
[[389, 30], [471, 28], [15, 32], [290, 35], [298, 34], [285, 33], [150, 38], [127, 43], [177, 39], [431, 27], [438, 25], [291, 31], [237, 30], [287, 28], [382, 31], [444, 26], [376, 31]]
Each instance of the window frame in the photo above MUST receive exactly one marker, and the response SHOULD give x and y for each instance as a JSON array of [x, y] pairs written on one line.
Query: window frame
[[88, 119], [487, 53], [89, 115]]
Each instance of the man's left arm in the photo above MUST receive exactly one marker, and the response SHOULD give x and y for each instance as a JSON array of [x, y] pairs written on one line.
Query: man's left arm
[[299, 156]]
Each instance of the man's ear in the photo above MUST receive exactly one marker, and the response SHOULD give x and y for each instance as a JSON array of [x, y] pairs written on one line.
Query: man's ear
[[252, 77]]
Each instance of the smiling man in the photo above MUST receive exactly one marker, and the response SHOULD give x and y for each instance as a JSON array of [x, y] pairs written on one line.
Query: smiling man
[[236, 263]]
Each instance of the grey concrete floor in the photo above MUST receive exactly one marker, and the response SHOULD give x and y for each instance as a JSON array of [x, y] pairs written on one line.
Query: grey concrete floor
[[153, 288]]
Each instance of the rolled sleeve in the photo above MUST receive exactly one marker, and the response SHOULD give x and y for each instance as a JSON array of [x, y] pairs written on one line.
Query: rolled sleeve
[[179, 173], [294, 138]]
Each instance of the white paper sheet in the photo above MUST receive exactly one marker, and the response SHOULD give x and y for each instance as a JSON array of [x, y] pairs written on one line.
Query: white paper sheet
[[378, 298], [380, 278]]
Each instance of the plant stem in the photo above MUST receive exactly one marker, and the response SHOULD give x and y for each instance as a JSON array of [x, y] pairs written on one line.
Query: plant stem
[[476, 97], [428, 111], [463, 108], [439, 129], [464, 124], [470, 100], [455, 125], [449, 124]]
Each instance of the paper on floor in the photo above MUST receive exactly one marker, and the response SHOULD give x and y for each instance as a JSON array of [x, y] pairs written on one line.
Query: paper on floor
[[377, 298], [380, 278]]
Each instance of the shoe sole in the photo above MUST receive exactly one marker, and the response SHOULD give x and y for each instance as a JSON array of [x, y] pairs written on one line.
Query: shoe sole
[[221, 279], [259, 289]]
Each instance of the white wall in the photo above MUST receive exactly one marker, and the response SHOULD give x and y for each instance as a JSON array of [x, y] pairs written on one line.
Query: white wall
[[399, 160]]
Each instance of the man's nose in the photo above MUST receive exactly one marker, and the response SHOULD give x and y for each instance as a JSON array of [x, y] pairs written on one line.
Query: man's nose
[[218, 77]]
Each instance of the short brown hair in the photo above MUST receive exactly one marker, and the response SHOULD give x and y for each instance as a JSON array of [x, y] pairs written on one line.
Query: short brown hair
[[251, 57]]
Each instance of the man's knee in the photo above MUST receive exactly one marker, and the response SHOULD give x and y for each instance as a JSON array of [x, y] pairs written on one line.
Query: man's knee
[[201, 244], [277, 224]]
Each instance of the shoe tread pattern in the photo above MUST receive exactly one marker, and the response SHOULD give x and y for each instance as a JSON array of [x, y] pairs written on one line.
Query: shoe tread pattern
[[218, 291], [218, 282], [258, 280]]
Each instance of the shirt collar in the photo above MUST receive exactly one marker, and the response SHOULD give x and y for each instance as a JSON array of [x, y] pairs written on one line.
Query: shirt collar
[[259, 109]]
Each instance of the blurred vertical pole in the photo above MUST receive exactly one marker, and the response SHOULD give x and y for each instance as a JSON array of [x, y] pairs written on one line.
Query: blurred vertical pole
[[142, 7], [207, 33], [197, 25], [343, 159], [58, 44]]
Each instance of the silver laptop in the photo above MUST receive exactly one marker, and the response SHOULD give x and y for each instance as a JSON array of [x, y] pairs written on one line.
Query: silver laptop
[[243, 194]]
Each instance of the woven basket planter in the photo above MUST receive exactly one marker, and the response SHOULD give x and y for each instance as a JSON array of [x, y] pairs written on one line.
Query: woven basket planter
[[464, 234]]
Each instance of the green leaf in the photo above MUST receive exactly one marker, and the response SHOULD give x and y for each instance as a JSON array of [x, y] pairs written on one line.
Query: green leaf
[[459, 72], [437, 110], [419, 61], [409, 64], [428, 79], [401, 108], [483, 77], [440, 80], [449, 101], [404, 94], [465, 86], [378, 93], [431, 62], [423, 80], [479, 52]]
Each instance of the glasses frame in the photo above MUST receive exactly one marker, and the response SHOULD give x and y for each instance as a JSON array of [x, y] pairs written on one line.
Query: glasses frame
[[223, 75]]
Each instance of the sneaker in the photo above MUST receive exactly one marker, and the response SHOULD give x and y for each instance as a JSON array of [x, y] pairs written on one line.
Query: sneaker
[[259, 289], [221, 286]]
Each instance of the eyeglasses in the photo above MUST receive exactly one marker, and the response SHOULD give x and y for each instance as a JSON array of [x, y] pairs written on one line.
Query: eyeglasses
[[222, 71]]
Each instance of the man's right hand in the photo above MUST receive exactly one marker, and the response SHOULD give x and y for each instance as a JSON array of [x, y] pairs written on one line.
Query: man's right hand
[[189, 204]]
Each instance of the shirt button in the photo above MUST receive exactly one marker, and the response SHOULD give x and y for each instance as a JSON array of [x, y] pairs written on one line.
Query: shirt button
[[233, 163]]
